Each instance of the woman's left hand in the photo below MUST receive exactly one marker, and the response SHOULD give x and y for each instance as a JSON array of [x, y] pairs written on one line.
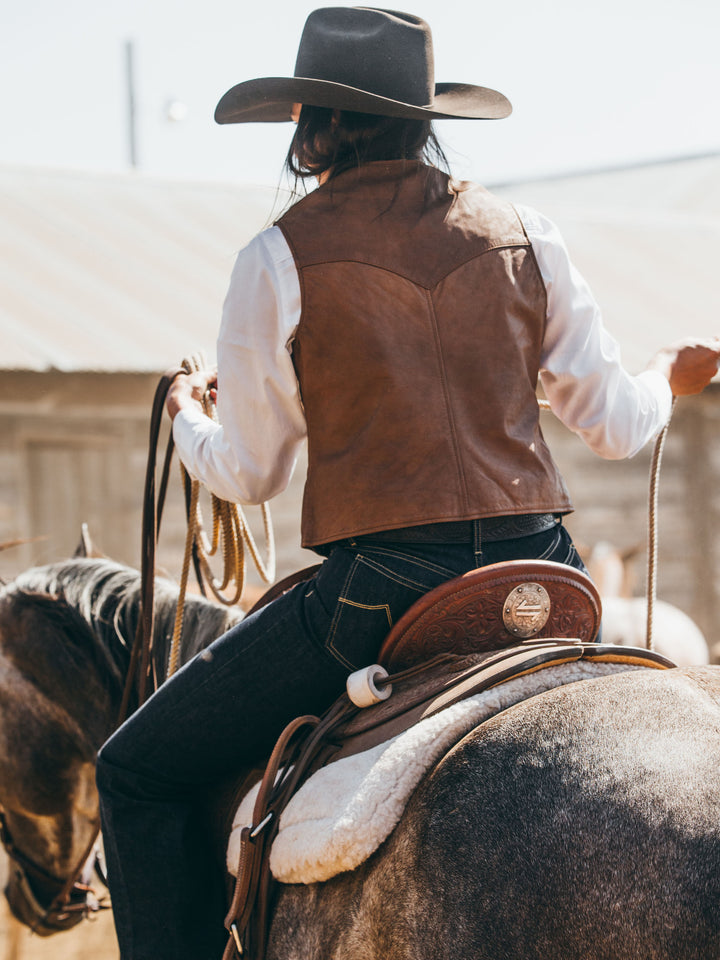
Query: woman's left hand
[[688, 364], [190, 388]]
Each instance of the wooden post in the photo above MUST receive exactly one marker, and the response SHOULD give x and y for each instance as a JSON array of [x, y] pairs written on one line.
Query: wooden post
[[131, 108], [701, 516]]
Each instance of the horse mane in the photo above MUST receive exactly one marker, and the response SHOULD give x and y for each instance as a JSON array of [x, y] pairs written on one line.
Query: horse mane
[[106, 597], [59, 641]]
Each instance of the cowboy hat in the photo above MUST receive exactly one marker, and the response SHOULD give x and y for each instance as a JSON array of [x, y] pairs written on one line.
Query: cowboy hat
[[365, 60]]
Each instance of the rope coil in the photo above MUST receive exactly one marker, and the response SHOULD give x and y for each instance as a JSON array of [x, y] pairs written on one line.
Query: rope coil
[[231, 536]]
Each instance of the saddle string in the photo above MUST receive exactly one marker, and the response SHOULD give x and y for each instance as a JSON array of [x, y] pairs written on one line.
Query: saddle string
[[230, 532]]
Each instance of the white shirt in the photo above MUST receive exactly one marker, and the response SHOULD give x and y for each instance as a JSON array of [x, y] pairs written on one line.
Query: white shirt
[[250, 457]]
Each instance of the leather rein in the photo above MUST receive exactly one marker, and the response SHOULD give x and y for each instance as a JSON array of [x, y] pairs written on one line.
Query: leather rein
[[228, 523], [139, 671]]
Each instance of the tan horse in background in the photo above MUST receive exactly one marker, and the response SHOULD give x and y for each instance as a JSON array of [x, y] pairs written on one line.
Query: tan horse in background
[[624, 621]]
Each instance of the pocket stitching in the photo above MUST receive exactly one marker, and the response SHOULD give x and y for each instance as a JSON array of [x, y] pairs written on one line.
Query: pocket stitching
[[368, 552], [395, 577], [369, 606], [552, 548], [370, 563], [330, 639]]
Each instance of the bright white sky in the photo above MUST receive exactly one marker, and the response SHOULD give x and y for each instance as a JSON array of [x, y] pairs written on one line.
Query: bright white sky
[[594, 84]]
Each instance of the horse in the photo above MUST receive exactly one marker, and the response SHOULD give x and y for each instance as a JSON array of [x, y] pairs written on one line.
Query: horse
[[582, 822]]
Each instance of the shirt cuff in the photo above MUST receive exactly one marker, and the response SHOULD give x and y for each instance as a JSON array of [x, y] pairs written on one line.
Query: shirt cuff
[[189, 428], [659, 386]]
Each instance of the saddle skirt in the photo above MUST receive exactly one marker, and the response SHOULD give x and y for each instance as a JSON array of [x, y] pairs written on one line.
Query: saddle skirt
[[346, 809]]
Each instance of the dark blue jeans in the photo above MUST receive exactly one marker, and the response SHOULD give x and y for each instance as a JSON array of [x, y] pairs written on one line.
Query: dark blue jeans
[[223, 711]]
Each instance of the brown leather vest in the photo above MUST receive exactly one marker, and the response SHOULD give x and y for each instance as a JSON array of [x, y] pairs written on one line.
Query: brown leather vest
[[417, 354]]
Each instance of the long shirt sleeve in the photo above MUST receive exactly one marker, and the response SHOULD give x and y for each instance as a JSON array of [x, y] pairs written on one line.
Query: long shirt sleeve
[[250, 457], [581, 372]]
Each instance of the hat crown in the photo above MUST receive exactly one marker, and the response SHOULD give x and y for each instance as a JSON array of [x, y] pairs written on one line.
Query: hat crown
[[365, 60], [380, 51]]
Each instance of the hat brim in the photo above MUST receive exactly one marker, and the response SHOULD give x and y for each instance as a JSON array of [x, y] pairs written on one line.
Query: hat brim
[[271, 99]]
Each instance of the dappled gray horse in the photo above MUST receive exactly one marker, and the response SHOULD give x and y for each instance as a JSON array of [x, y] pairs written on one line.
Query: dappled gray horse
[[582, 823]]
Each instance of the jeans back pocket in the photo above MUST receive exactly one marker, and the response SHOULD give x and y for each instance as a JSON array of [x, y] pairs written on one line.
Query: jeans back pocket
[[380, 585]]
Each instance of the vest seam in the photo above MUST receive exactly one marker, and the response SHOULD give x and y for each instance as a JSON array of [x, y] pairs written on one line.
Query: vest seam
[[301, 284], [478, 256], [298, 268], [462, 479], [538, 271], [418, 283]]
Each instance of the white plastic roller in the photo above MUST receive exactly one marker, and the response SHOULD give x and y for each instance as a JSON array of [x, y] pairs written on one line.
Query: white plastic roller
[[362, 686]]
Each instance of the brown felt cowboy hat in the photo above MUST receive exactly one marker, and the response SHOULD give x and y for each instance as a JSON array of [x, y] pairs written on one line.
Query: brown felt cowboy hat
[[365, 60]]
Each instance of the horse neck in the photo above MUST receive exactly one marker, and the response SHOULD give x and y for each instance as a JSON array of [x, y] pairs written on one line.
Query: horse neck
[[107, 597], [202, 622]]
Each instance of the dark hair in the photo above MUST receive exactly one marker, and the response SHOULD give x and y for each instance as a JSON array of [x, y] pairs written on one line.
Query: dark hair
[[327, 142]]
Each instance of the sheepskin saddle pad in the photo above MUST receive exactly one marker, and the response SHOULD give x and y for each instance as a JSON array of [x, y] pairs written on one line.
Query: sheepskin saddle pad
[[345, 810]]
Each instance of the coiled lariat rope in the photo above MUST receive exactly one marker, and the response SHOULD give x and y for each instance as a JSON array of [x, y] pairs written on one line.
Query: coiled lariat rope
[[231, 535]]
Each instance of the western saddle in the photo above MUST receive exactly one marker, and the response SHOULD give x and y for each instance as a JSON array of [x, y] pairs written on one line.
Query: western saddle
[[467, 635]]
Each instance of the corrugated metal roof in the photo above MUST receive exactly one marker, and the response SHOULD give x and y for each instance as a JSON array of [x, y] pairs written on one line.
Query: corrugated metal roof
[[116, 272], [128, 273]]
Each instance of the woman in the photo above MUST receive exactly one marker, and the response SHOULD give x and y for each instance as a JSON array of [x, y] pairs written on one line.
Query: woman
[[400, 321]]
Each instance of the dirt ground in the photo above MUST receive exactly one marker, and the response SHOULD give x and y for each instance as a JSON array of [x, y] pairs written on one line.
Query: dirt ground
[[90, 940]]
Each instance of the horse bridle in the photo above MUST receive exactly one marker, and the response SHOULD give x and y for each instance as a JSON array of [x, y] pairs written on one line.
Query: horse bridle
[[73, 899]]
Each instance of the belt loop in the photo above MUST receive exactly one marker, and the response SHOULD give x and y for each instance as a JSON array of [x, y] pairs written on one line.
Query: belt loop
[[477, 541]]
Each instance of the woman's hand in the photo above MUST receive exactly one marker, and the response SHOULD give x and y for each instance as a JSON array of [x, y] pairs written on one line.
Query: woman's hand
[[190, 388], [689, 365]]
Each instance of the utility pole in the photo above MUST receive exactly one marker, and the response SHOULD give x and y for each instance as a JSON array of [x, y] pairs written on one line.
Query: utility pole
[[131, 111]]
